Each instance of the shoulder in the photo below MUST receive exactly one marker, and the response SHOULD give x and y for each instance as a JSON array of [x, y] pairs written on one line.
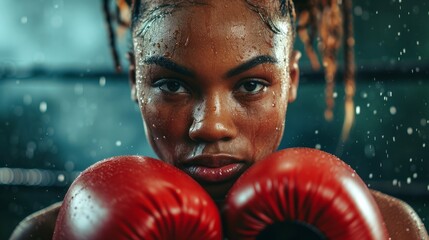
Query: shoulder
[[401, 220], [39, 225]]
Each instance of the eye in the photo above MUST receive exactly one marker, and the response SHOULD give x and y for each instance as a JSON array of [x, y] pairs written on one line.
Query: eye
[[252, 86], [170, 86]]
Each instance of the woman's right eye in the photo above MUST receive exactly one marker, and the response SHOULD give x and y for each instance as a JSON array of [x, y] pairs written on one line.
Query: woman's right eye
[[171, 86]]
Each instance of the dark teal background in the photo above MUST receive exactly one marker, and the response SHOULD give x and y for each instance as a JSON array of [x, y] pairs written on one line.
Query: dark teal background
[[62, 108]]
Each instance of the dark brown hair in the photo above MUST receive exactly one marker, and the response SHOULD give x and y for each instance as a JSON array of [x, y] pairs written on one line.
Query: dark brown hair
[[325, 23]]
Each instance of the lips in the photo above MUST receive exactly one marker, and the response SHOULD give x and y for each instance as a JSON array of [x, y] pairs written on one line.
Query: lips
[[214, 168]]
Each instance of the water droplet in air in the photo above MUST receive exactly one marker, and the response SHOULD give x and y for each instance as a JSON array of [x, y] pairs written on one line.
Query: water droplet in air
[[369, 151], [357, 110], [102, 81], [61, 177], [43, 107], [24, 19]]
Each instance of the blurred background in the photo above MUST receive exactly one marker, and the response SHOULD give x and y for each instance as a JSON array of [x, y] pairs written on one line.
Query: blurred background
[[63, 108]]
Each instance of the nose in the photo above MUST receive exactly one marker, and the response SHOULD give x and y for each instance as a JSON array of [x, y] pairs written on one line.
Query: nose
[[213, 121]]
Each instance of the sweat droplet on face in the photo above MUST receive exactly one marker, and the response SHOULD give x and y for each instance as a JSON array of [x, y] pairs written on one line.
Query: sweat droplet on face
[[187, 41]]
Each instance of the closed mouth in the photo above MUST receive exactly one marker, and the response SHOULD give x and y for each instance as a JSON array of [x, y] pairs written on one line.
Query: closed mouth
[[214, 168]]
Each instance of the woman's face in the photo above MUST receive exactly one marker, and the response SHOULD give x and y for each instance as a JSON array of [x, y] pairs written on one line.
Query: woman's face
[[213, 83]]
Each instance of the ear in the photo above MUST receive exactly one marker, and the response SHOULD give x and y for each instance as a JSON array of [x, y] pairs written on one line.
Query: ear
[[132, 75], [294, 75]]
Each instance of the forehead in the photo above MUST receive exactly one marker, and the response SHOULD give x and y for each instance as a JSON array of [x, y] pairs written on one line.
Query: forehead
[[210, 13], [221, 26]]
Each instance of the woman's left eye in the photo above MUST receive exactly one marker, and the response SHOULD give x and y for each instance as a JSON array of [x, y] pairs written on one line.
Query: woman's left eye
[[252, 87]]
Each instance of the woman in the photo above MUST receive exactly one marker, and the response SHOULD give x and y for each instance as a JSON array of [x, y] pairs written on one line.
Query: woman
[[213, 80]]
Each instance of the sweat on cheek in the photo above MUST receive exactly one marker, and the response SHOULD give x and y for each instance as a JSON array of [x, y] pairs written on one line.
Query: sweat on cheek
[[212, 83]]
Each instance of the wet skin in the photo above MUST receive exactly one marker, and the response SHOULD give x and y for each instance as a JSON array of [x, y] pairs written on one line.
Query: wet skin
[[208, 121], [213, 83]]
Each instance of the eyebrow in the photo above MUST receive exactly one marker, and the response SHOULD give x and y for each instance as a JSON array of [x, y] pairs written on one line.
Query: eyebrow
[[250, 64], [172, 66], [169, 64]]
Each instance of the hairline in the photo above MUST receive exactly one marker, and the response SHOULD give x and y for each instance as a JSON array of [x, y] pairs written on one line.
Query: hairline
[[137, 13]]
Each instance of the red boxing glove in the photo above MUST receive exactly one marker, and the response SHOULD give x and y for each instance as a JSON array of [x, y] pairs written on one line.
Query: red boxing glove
[[135, 197], [302, 194]]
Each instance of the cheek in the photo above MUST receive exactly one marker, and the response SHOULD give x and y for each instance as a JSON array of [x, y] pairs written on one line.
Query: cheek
[[164, 127], [265, 125], [166, 122], [270, 132]]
